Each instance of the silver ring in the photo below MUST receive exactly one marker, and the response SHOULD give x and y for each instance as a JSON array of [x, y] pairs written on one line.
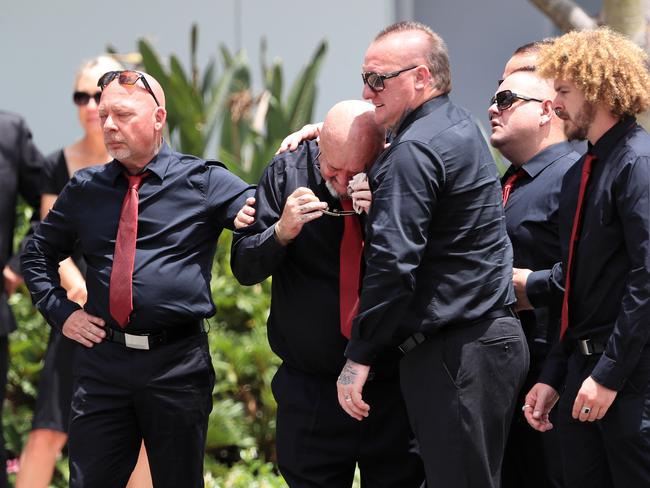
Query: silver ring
[[347, 398], [523, 409], [586, 410]]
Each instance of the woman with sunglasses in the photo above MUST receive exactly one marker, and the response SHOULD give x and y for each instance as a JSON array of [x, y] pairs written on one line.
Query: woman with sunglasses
[[50, 424]]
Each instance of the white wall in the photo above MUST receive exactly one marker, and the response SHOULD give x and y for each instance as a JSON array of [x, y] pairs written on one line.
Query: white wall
[[42, 42]]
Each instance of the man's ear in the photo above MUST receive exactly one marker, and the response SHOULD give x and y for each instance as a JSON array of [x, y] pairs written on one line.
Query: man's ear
[[423, 77], [547, 112], [160, 115]]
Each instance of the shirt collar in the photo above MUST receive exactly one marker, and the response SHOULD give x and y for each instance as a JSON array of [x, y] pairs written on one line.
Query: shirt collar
[[158, 165], [540, 161], [424, 109], [609, 139]]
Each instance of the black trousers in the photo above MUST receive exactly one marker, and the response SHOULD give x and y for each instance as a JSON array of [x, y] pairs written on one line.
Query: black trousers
[[319, 445], [121, 396], [614, 451], [532, 459], [460, 388]]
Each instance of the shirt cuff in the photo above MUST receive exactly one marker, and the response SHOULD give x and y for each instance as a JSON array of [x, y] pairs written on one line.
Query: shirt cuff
[[537, 288], [555, 368], [609, 373], [362, 352], [59, 313]]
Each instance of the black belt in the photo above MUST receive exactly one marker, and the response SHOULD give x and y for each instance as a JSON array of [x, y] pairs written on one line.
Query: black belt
[[150, 339], [588, 347], [419, 337]]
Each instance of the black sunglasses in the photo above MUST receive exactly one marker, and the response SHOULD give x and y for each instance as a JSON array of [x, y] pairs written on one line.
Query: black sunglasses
[[126, 77], [504, 99], [82, 98], [375, 81]]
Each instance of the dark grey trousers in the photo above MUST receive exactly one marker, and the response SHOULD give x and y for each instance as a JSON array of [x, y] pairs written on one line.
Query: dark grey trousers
[[460, 388]]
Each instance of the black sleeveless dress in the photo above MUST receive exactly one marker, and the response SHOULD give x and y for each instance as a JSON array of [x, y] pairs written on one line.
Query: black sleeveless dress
[[52, 410]]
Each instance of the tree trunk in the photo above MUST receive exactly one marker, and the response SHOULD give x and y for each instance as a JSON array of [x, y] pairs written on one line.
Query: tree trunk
[[566, 14], [629, 18]]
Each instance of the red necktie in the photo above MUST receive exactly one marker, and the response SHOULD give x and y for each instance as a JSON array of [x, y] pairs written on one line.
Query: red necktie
[[510, 182], [350, 268], [584, 179], [120, 290]]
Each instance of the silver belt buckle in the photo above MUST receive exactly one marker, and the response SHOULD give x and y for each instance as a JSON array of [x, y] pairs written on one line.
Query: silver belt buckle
[[136, 341], [583, 346]]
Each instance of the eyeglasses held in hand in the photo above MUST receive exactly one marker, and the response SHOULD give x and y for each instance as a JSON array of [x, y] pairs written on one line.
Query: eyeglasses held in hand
[[338, 213], [126, 77], [334, 212], [375, 81], [81, 98], [504, 99]]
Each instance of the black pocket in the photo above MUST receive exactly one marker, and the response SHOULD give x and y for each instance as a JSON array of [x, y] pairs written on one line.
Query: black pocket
[[489, 341]]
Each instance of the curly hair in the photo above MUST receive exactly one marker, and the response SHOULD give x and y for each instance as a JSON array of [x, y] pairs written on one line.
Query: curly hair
[[606, 66]]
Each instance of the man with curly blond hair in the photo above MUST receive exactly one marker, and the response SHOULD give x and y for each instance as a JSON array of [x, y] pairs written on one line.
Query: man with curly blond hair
[[600, 370]]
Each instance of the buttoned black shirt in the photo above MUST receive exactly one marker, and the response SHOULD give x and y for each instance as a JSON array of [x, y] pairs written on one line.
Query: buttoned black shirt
[[184, 205], [20, 174], [304, 323], [610, 289], [532, 223], [437, 253]]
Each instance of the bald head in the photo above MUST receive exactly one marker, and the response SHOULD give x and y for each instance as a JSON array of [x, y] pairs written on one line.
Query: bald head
[[156, 88], [133, 83], [350, 141], [351, 130]]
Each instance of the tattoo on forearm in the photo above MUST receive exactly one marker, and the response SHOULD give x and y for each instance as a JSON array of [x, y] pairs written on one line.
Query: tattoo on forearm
[[348, 375]]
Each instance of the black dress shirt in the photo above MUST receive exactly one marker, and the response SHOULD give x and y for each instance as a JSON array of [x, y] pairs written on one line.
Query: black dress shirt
[[532, 223], [437, 252], [184, 205], [610, 291], [304, 323], [20, 174]]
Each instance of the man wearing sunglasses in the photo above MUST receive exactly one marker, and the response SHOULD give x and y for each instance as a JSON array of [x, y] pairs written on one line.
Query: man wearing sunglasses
[[526, 130], [438, 268], [304, 247], [599, 371], [147, 224]]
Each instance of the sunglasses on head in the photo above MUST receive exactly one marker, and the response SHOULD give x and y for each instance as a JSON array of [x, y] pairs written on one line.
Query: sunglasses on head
[[126, 77], [375, 81], [504, 99], [82, 98]]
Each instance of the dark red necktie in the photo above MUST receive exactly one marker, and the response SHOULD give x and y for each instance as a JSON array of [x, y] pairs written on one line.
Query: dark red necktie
[[120, 290], [584, 179], [510, 182], [350, 268]]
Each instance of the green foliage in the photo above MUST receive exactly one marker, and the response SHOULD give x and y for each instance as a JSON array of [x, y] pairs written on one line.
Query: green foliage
[[219, 110], [224, 112], [501, 163]]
